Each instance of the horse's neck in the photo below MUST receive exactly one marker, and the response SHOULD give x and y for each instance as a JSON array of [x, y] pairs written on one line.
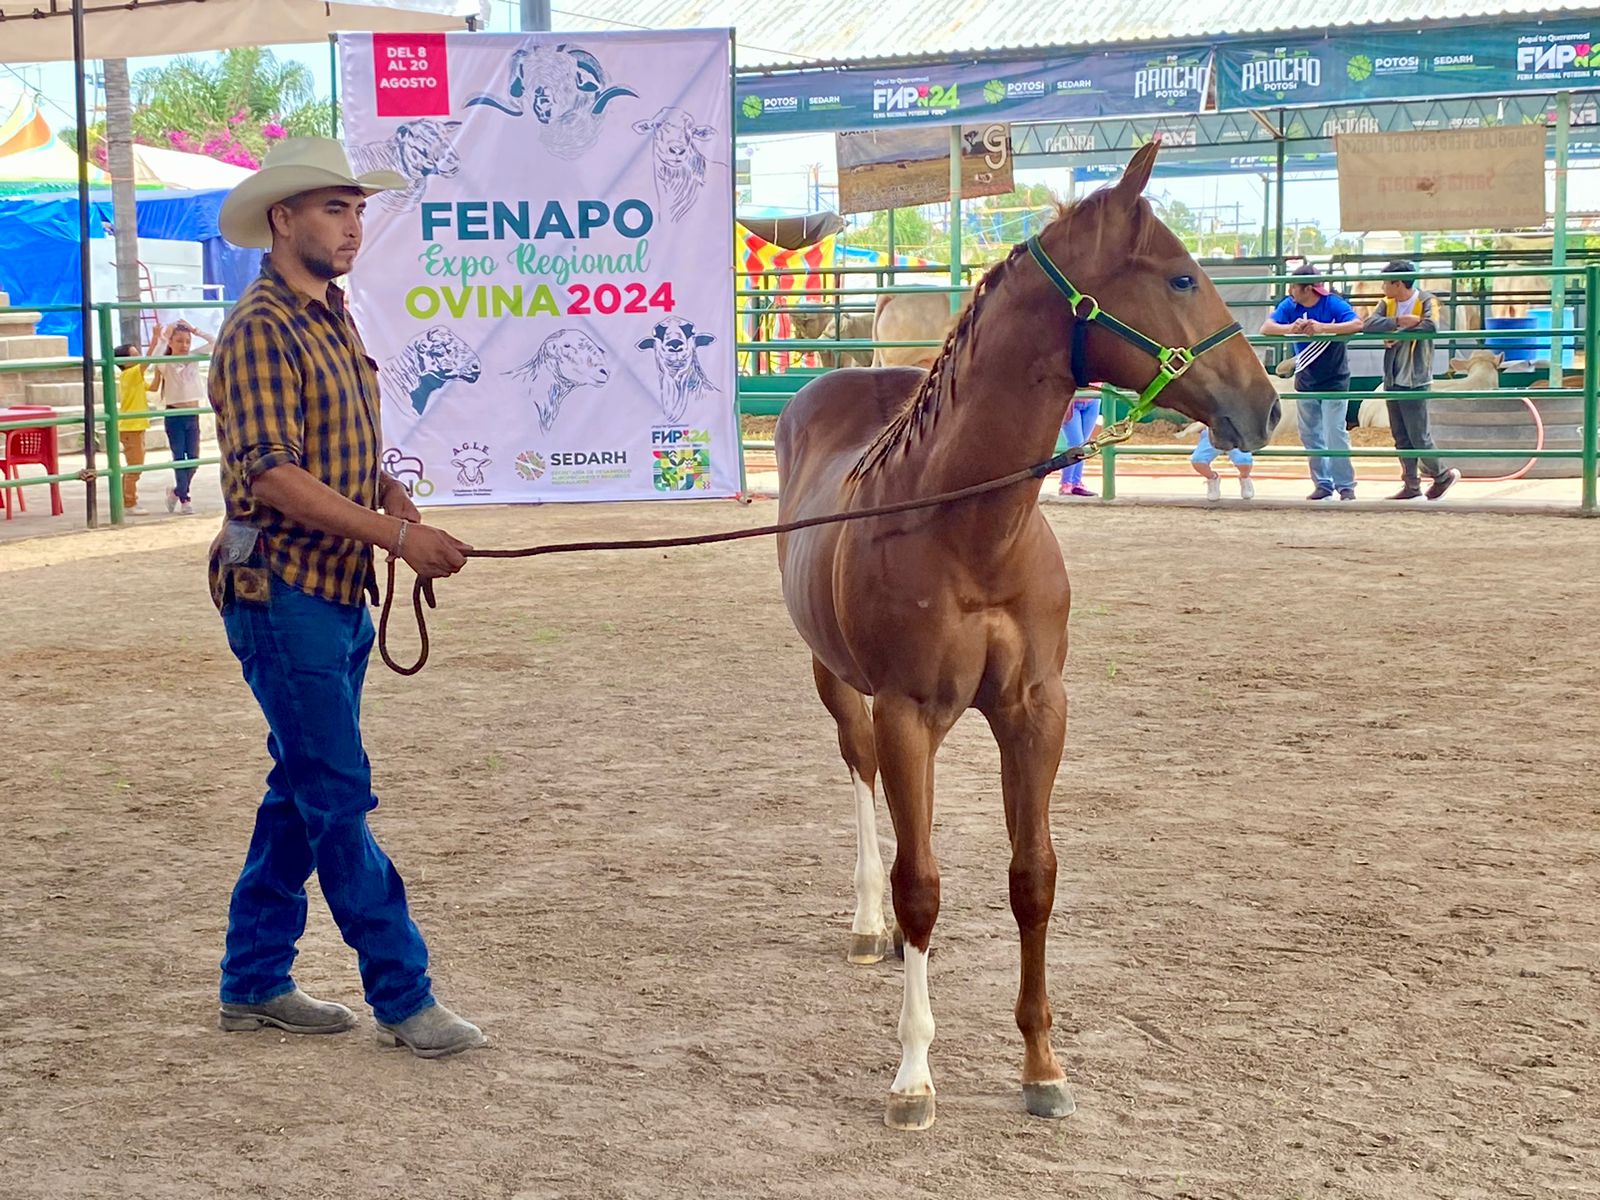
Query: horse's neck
[[1003, 391]]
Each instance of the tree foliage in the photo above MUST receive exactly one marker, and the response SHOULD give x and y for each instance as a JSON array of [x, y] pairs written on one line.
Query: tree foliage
[[231, 107]]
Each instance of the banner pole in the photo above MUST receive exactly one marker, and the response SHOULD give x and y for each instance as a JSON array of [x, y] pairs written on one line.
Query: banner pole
[[955, 216], [733, 231], [333, 85], [1283, 151], [1558, 244]]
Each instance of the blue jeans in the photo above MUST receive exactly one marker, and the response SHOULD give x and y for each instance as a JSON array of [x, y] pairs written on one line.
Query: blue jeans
[[1075, 431], [305, 659], [183, 435], [1322, 428]]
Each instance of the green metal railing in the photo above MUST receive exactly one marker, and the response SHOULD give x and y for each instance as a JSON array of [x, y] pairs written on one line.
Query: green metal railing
[[768, 396], [107, 419]]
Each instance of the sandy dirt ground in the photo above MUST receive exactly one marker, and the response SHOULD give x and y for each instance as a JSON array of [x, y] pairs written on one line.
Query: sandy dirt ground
[[1326, 921]]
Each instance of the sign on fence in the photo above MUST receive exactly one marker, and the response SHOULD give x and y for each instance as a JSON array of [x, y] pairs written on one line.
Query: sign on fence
[[1445, 179], [550, 301], [899, 168]]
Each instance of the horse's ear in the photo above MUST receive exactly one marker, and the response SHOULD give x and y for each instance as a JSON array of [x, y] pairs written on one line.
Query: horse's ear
[[1132, 184]]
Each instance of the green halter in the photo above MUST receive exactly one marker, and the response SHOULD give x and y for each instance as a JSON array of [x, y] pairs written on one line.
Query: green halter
[[1171, 361]]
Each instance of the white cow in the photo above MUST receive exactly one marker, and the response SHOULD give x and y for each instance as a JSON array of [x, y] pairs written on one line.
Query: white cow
[[567, 359], [418, 150], [677, 164], [683, 381], [908, 317]]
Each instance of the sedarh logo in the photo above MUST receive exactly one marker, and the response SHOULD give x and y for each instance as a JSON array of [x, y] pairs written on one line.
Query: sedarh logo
[[751, 107], [1359, 68], [994, 91]]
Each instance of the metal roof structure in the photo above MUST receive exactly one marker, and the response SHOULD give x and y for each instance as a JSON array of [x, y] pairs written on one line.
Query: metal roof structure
[[777, 33]]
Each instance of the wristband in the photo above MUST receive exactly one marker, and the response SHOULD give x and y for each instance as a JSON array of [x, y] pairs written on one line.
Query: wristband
[[400, 540]]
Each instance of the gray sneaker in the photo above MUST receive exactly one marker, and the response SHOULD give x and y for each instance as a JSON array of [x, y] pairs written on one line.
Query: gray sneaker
[[432, 1033], [293, 1012]]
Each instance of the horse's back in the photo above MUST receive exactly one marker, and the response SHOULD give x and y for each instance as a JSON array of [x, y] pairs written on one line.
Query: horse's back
[[827, 426]]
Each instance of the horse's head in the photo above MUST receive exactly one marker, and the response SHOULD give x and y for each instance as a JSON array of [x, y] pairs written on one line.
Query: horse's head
[[1114, 248]]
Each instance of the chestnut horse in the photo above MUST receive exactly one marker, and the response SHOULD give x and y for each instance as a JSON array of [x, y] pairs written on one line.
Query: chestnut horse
[[963, 606]]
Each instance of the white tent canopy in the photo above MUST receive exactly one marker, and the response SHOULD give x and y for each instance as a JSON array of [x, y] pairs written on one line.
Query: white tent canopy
[[41, 30], [176, 169]]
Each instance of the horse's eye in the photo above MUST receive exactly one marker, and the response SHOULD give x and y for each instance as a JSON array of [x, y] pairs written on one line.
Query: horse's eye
[[1183, 283]]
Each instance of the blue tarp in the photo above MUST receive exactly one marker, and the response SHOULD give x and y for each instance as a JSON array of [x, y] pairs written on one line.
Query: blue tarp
[[39, 247]]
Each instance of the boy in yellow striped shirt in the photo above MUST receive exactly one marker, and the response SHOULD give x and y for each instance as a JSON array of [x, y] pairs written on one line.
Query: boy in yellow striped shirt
[[133, 396]]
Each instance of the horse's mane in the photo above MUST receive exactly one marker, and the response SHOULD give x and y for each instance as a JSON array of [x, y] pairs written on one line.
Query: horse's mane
[[939, 387]]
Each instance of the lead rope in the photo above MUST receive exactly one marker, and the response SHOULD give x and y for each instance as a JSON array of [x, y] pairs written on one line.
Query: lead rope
[[1171, 362], [422, 590]]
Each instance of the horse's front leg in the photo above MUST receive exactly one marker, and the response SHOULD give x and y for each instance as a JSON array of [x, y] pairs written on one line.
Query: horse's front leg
[[1031, 729], [869, 934], [907, 735]]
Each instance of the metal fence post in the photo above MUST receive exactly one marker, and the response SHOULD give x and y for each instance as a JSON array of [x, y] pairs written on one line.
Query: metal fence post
[[1108, 456], [109, 402], [1591, 364]]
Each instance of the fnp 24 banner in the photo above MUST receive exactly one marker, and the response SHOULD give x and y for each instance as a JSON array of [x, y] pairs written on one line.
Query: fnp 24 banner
[[1069, 87], [550, 300]]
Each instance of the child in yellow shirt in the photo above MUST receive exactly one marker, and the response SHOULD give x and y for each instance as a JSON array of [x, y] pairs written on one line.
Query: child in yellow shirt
[[133, 396]]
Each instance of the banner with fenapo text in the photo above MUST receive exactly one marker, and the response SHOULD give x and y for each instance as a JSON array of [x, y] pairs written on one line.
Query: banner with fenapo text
[[1450, 179], [549, 301]]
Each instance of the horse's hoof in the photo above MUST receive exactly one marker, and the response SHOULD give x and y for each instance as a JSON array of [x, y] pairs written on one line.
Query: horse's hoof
[[1051, 1100], [899, 943], [867, 948], [909, 1112]]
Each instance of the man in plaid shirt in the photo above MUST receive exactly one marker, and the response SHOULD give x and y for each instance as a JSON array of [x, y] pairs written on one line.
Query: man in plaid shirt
[[296, 399]]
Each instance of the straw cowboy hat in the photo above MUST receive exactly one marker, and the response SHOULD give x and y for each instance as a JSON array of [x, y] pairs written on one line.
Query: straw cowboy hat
[[293, 166]]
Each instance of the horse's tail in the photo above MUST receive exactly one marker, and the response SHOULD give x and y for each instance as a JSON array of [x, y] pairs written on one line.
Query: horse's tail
[[495, 102], [611, 94]]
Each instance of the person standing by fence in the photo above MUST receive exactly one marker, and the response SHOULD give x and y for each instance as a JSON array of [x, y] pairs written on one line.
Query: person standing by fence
[[1322, 365], [133, 396], [296, 398], [180, 388], [1076, 430], [1408, 367]]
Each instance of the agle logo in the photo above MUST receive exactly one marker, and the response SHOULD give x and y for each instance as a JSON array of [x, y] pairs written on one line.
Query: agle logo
[[530, 465], [469, 462]]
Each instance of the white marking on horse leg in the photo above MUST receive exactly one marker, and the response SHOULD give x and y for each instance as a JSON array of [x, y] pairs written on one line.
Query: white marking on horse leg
[[916, 1028], [869, 864]]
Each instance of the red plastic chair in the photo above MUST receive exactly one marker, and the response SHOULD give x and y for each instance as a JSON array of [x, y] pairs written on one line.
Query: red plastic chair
[[24, 447]]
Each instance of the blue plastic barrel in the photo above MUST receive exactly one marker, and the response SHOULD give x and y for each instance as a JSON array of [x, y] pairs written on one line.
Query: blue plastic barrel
[[1541, 320], [1510, 348]]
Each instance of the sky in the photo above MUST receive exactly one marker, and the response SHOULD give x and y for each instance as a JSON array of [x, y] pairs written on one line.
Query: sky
[[783, 166]]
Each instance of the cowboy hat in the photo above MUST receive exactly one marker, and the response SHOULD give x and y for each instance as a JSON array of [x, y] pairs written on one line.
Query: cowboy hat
[[293, 166]]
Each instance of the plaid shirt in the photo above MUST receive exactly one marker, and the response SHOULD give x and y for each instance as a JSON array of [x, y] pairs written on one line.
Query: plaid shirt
[[291, 383]]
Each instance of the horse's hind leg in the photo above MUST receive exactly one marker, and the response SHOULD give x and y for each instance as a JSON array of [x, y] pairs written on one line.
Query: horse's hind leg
[[1031, 729], [869, 936]]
